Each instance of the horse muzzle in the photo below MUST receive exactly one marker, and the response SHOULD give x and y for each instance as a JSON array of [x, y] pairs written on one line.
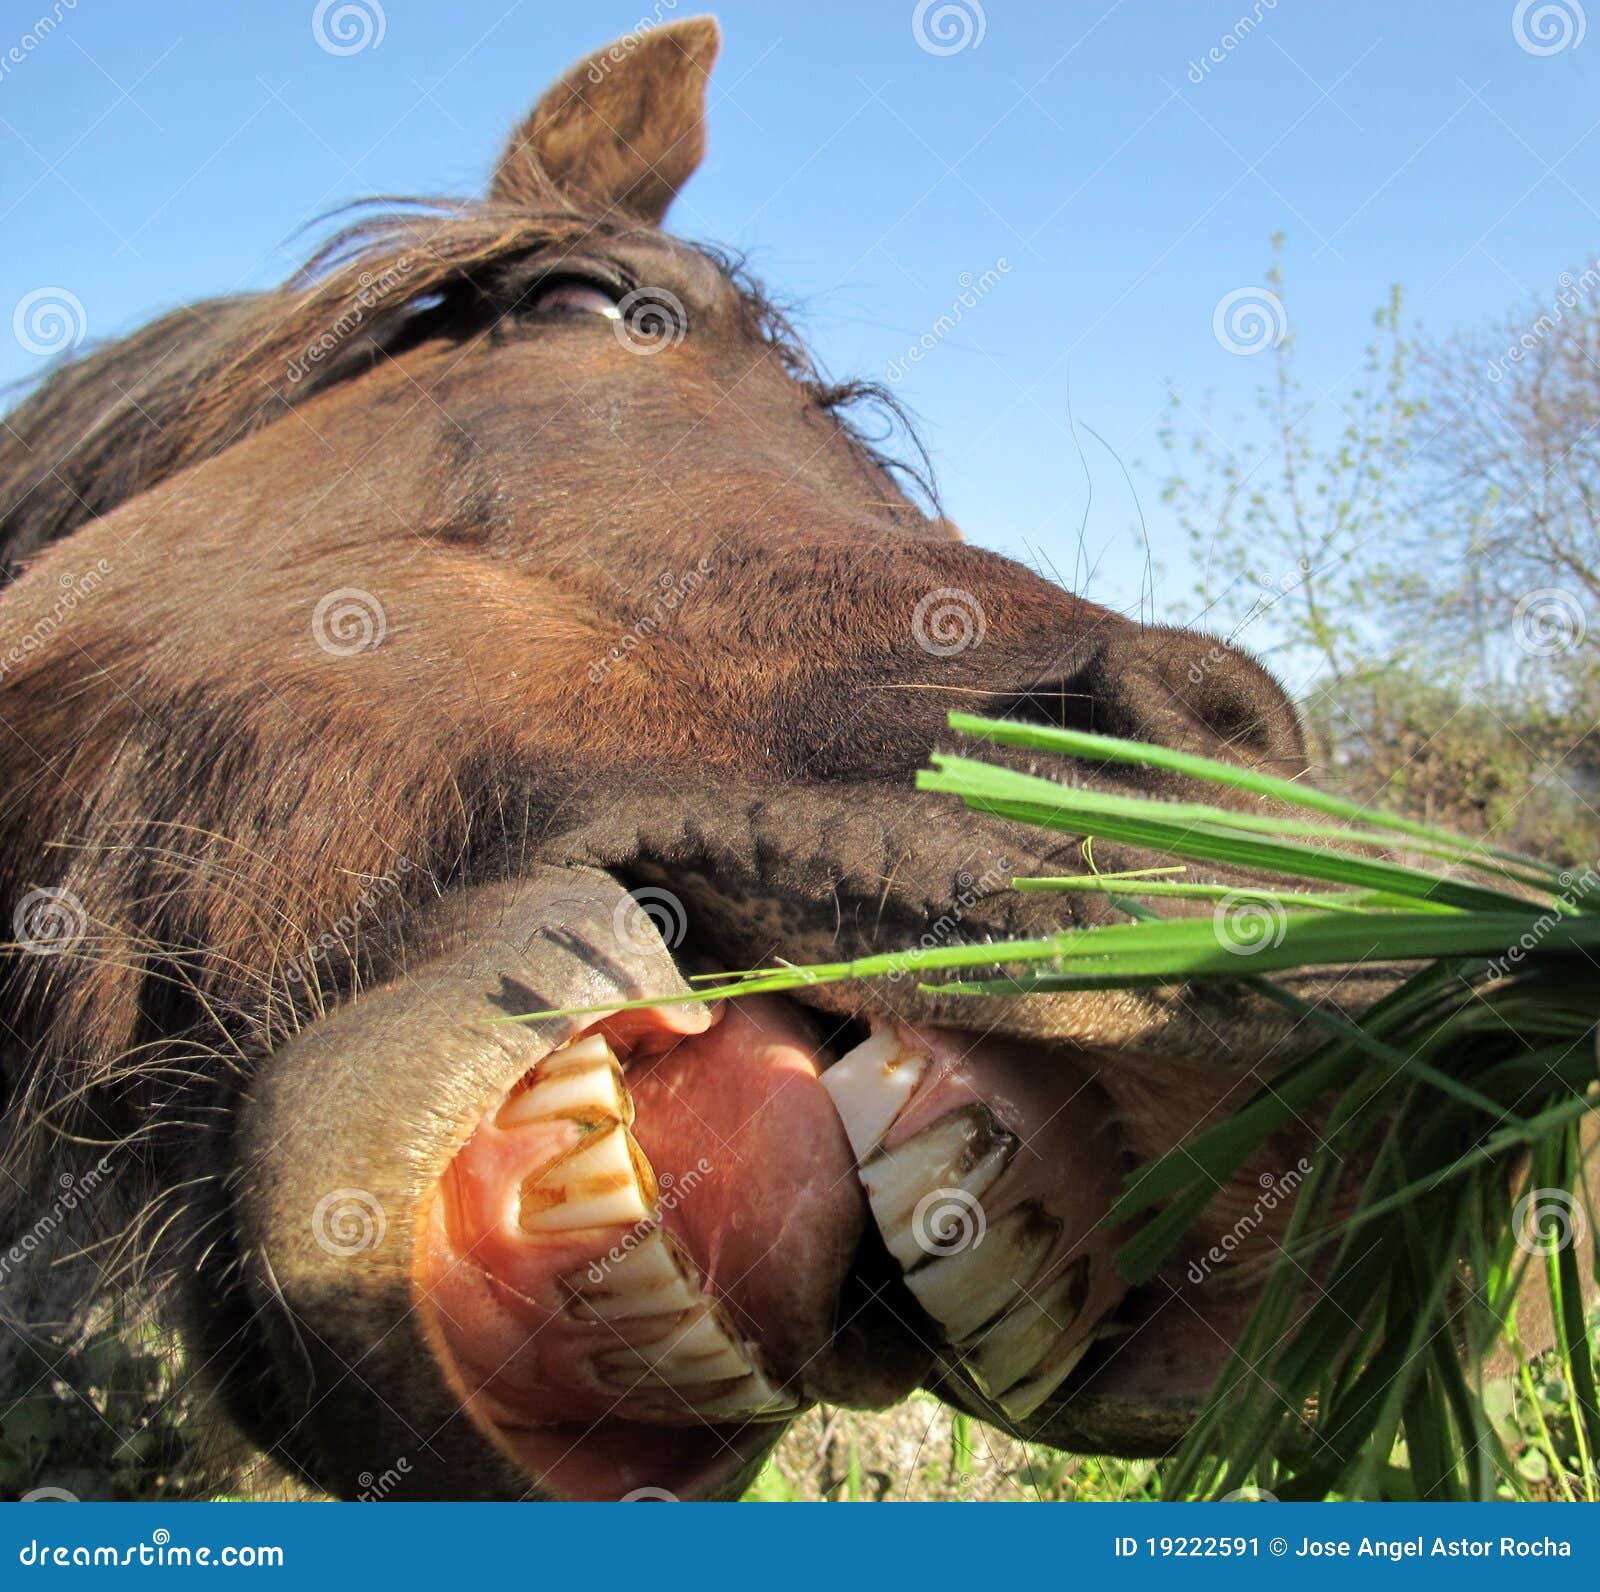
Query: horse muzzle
[[605, 1256]]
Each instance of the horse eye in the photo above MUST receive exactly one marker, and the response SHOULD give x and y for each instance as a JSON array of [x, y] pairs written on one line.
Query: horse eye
[[570, 295]]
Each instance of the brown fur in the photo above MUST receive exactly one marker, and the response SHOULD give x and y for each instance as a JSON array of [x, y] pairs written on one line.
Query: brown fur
[[213, 787], [622, 140]]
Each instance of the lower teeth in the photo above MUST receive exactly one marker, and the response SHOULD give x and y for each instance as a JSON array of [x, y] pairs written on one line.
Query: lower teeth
[[653, 1278], [671, 1355], [604, 1182]]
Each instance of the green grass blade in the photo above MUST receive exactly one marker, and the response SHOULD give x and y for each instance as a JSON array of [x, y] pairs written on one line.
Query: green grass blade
[[1110, 749], [1189, 830]]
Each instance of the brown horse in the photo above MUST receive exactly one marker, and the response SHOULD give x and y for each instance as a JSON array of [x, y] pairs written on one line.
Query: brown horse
[[503, 616]]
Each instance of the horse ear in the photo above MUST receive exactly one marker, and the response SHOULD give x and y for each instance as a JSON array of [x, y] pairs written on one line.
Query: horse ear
[[624, 129]]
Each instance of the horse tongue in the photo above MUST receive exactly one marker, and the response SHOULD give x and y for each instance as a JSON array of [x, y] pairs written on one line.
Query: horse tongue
[[757, 1180], [990, 1168]]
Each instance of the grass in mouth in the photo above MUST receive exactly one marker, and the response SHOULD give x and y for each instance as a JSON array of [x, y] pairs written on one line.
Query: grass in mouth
[[1465, 1090]]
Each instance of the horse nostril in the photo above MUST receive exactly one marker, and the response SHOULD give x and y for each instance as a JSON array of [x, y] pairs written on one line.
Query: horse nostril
[[1176, 688], [1065, 704]]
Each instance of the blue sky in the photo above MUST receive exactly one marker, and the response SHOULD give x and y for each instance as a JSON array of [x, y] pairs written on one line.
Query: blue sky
[[150, 154]]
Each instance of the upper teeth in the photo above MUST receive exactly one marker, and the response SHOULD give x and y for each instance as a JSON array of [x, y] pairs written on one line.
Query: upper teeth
[[1026, 1355], [961, 1151], [1006, 1299], [973, 1285], [871, 1085], [1010, 1312]]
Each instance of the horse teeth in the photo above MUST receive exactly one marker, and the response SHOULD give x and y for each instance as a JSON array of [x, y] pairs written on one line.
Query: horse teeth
[[754, 1398], [871, 1084], [664, 1338], [990, 1281], [581, 1082], [671, 1299], [964, 1289], [659, 1360], [585, 1048], [1024, 1356], [966, 1150], [1022, 1400], [727, 1365], [604, 1182], [651, 1278], [701, 1350], [698, 1333], [636, 1332]]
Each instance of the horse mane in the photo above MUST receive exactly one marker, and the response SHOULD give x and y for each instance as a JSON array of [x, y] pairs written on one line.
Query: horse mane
[[111, 424]]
